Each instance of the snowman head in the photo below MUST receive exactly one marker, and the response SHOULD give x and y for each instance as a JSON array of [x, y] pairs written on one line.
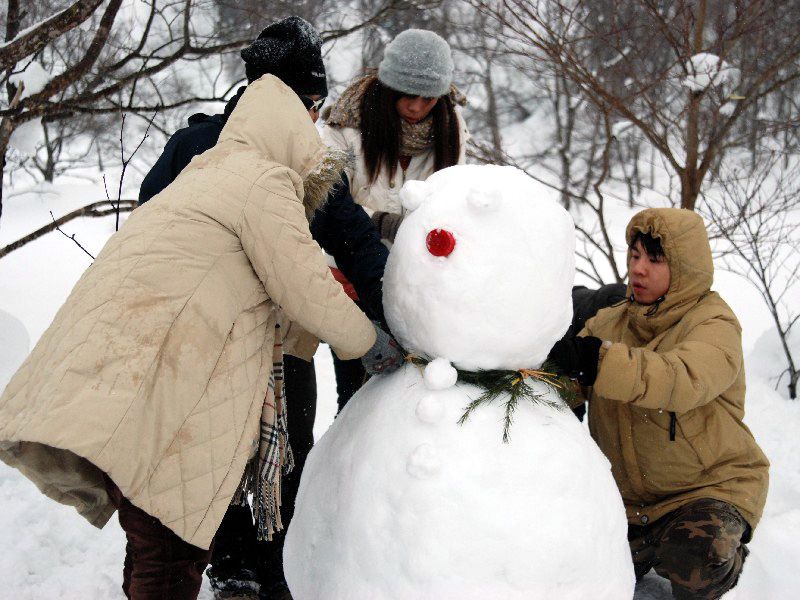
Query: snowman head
[[481, 270]]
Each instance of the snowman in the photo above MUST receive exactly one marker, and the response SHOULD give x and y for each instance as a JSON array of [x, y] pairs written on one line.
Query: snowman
[[405, 497]]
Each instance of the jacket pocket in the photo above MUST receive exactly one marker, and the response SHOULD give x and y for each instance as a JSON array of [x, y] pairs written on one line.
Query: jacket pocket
[[666, 466], [695, 427]]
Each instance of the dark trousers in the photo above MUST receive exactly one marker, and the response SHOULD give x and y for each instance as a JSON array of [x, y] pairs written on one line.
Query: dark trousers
[[237, 554], [158, 564], [699, 547], [350, 376]]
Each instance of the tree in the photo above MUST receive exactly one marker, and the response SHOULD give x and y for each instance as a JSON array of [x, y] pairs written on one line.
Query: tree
[[682, 73], [755, 212], [100, 59]]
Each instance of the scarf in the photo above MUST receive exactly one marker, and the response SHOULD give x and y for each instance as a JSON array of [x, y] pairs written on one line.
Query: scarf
[[262, 476], [415, 138]]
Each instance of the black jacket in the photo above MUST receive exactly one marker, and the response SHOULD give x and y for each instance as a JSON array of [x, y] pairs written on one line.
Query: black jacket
[[201, 134], [341, 227], [345, 231]]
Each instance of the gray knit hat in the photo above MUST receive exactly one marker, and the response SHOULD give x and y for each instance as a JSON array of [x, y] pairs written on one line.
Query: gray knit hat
[[417, 62]]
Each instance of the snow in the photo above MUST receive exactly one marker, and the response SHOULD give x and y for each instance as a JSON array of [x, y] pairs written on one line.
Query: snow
[[705, 70], [35, 77], [619, 128], [15, 343], [277, 43], [50, 552], [431, 508], [439, 375], [394, 506], [768, 352], [502, 298], [27, 137], [617, 57]]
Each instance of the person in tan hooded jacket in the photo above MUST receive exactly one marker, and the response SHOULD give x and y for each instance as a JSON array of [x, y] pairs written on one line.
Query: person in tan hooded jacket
[[664, 378], [151, 381]]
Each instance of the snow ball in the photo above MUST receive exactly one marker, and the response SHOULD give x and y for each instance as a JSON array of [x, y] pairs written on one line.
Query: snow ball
[[706, 70], [413, 194], [502, 297], [430, 409], [424, 462], [439, 374]]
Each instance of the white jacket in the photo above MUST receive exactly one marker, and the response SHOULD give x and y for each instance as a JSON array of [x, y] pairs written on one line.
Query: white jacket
[[384, 193]]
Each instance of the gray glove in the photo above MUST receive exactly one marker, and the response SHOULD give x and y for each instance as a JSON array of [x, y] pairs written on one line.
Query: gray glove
[[387, 224], [385, 356]]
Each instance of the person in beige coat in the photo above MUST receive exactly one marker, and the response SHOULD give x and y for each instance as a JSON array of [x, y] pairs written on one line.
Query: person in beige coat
[[153, 382], [666, 392]]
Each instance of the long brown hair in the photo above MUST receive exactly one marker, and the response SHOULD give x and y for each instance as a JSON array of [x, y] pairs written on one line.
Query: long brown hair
[[380, 130]]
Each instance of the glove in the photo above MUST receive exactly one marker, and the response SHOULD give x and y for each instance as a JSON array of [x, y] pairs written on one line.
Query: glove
[[385, 356], [387, 224], [577, 358]]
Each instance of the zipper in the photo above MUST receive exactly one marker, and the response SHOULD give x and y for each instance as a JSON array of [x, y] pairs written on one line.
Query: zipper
[[672, 422]]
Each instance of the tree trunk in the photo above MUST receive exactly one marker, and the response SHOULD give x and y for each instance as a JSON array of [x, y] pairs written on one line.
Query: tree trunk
[[491, 113], [690, 188], [6, 129]]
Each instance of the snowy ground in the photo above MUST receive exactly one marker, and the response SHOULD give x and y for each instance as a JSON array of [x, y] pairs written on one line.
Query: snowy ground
[[49, 552]]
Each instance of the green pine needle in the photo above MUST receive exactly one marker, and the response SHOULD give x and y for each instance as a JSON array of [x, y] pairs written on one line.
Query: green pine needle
[[497, 382]]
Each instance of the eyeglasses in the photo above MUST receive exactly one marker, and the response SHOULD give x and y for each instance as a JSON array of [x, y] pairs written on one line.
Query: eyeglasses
[[312, 105]]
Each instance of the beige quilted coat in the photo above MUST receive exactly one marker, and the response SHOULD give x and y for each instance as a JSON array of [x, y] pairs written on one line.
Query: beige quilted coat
[[667, 407], [155, 369]]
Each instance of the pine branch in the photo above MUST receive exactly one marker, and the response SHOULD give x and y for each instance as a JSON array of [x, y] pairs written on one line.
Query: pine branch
[[498, 382]]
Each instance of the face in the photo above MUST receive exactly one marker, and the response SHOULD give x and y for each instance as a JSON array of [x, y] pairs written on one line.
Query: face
[[415, 108], [314, 114], [649, 278]]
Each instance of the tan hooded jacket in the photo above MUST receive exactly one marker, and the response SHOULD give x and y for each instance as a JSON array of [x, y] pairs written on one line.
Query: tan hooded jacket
[[668, 402], [156, 367]]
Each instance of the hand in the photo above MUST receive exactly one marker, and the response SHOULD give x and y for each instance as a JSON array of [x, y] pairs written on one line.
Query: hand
[[385, 356], [387, 224], [577, 358]]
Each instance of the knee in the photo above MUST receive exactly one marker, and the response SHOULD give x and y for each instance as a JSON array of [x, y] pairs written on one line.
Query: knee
[[703, 564]]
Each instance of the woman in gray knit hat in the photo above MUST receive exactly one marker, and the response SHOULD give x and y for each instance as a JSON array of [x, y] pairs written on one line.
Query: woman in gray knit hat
[[401, 123]]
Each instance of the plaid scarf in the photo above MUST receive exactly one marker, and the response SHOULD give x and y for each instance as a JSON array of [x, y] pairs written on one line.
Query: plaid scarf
[[262, 476]]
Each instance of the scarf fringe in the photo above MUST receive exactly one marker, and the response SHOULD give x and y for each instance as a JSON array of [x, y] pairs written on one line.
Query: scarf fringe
[[264, 497], [261, 482]]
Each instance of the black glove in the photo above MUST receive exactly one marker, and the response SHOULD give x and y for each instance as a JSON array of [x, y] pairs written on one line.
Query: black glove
[[385, 355], [577, 358]]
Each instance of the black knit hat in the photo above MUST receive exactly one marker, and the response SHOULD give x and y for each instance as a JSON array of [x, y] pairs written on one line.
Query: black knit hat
[[290, 50]]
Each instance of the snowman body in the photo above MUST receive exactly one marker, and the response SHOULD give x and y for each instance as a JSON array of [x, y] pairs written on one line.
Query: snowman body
[[400, 501]]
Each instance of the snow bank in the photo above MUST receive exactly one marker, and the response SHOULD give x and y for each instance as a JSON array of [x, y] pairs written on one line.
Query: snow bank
[[15, 344]]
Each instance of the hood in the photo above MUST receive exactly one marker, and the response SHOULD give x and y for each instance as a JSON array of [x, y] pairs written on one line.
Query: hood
[[270, 118], [684, 238]]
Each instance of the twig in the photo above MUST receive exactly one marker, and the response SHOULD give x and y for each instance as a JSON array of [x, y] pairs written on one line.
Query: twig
[[72, 237], [102, 208]]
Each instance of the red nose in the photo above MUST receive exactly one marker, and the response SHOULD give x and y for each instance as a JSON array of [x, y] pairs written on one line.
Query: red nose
[[440, 242]]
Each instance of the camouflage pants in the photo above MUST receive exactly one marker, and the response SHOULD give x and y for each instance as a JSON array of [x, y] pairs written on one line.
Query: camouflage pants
[[698, 547]]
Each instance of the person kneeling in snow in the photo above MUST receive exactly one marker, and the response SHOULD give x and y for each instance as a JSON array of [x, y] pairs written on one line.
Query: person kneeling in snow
[[156, 390], [664, 376]]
